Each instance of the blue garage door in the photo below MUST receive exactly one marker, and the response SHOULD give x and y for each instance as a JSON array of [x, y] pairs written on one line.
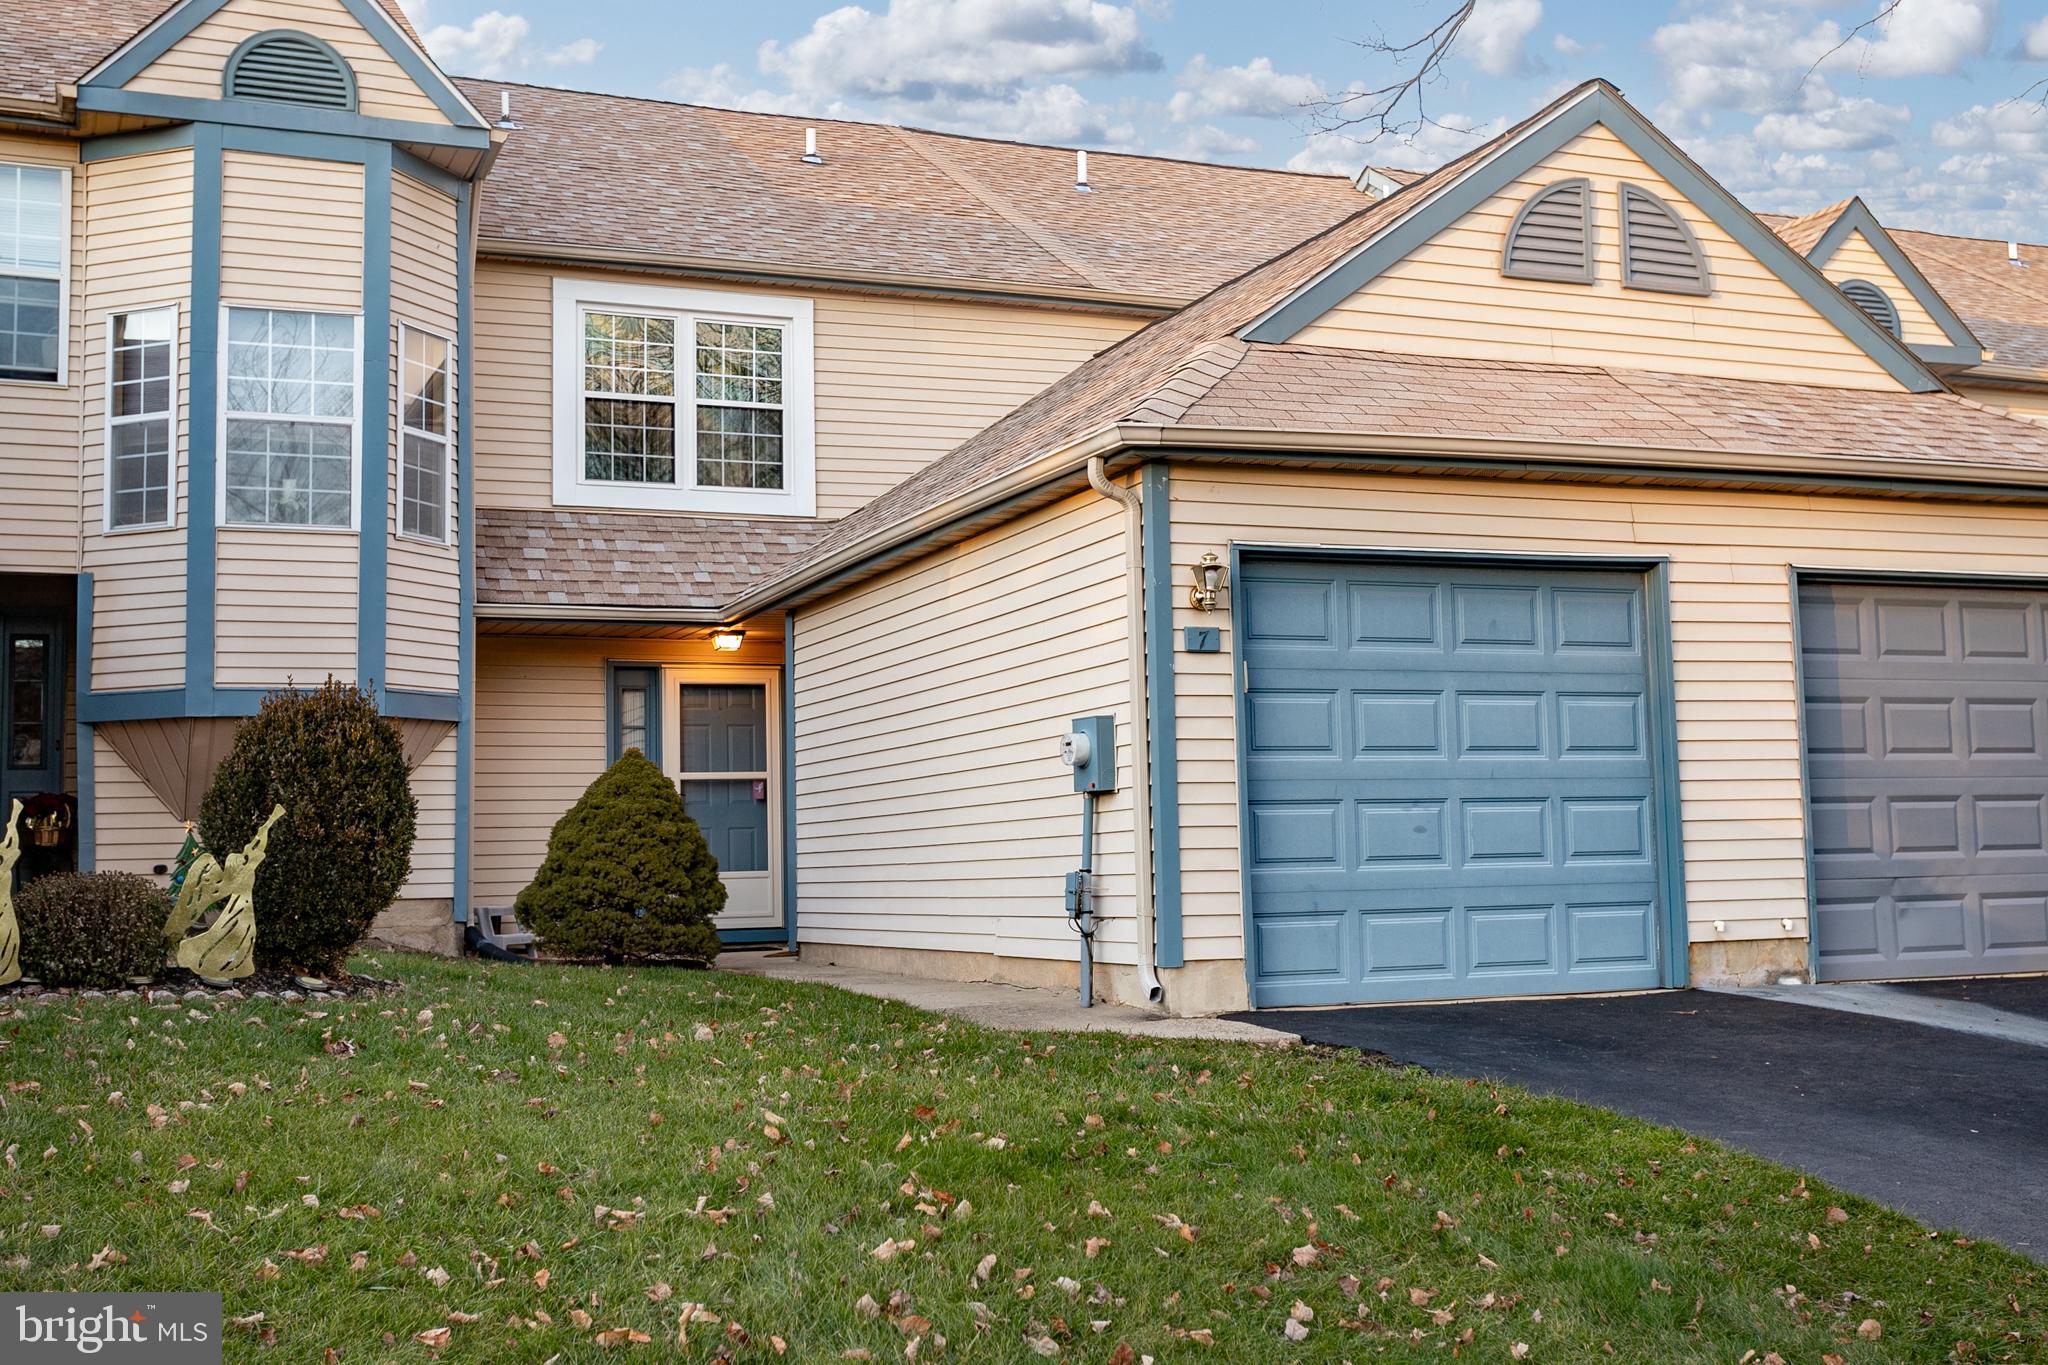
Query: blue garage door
[[1449, 782]]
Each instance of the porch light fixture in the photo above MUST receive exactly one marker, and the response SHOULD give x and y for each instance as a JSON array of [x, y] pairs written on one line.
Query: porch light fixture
[[1208, 572], [728, 641]]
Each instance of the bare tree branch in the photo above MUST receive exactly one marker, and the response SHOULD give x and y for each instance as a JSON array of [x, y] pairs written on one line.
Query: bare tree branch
[[1399, 107], [1883, 16]]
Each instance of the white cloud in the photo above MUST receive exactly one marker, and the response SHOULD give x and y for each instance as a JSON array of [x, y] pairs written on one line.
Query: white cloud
[[1923, 38], [1496, 37], [1740, 56], [492, 44], [1427, 147], [582, 52], [1566, 45], [1254, 90], [1833, 124], [921, 50], [2035, 44], [2015, 128]]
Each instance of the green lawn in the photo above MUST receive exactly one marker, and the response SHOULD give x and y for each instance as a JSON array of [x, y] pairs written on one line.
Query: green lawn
[[541, 1160]]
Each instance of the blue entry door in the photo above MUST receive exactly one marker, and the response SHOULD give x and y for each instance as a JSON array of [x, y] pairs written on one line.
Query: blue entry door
[[1449, 782]]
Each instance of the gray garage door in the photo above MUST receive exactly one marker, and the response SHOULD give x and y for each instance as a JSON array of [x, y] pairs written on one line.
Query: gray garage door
[[1927, 779], [1448, 782]]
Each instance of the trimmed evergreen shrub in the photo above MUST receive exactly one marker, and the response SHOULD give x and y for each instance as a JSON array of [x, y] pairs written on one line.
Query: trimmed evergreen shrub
[[627, 873], [91, 928], [344, 846]]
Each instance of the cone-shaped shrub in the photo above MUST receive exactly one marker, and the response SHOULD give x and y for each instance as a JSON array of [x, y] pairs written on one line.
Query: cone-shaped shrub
[[344, 846], [628, 874]]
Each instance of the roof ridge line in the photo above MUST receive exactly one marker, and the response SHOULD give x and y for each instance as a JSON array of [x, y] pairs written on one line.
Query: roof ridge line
[[1002, 208]]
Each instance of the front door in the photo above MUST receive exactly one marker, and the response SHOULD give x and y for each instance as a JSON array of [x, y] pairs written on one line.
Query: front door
[[31, 709], [721, 749]]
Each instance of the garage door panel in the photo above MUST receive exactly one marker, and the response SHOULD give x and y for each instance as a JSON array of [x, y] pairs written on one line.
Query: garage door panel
[[1927, 755], [1478, 821]]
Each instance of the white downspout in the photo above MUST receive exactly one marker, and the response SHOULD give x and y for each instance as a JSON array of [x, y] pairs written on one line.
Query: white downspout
[[1141, 744]]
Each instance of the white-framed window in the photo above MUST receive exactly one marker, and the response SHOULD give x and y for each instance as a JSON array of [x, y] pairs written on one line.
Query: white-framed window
[[289, 432], [683, 399], [426, 426], [35, 255], [142, 426]]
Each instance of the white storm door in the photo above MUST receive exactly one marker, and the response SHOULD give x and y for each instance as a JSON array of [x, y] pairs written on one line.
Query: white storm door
[[723, 752]]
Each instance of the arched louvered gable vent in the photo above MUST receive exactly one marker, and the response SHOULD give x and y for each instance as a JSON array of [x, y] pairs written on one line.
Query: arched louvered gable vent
[[290, 68], [1658, 251], [1552, 237], [1875, 302]]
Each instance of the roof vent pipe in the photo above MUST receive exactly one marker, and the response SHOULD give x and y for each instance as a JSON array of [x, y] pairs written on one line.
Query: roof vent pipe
[[810, 156], [505, 119], [2012, 253], [1081, 173]]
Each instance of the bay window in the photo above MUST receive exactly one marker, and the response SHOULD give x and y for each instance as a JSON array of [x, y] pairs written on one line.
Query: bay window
[[424, 427], [682, 399], [141, 440], [289, 421]]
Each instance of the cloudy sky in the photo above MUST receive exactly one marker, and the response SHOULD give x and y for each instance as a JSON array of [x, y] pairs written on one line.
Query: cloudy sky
[[1936, 116]]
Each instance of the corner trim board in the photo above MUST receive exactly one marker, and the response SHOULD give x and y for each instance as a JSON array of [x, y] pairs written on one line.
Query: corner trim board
[[465, 551], [202, 435], [88, 812], [373, 541], [789, 896], [115, 145], [1156, 525]]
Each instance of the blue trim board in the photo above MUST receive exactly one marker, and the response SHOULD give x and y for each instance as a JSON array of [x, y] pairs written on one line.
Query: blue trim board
[[1239, 728], [1656, 570], [465, 542], [135, 144], [749, 936], [1602, 106], [88, 813], [311, 146], [789, 886], [1964, 348], [287, 117], [202, 430], [427, 173], [166, 703], [1156, 538], [179, 24], [373, 515]]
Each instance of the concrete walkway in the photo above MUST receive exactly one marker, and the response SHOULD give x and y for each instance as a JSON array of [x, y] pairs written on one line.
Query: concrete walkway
[[1021, 1008], [1907, 1006]]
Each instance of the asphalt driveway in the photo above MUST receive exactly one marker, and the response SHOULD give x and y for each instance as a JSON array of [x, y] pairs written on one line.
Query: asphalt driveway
[[1949, 1127]]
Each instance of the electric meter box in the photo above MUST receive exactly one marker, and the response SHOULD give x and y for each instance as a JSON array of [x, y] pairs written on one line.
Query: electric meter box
[[1089, 747]]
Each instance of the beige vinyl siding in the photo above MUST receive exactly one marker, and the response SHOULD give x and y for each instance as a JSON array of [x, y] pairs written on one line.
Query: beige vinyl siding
[[433, 849], [39, 522], [1449, 298], [291, 232], [292, 237], [1731, 622], [423, 613], [933, 811], [138, 232], [286, 607], [194, 67], [899, 381], [1857, 259], [132, 832], [541, 738], [2031, 403]]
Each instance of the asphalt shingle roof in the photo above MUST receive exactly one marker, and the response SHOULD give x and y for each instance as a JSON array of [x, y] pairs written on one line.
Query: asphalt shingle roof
[[572, 558]]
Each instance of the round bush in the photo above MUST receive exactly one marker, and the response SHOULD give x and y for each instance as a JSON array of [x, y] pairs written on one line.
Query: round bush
[[92, 928], [627, 873], [344, 846]]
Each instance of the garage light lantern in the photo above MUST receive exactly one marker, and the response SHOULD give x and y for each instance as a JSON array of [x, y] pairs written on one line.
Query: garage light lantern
[[1208, 572], [728, 641]]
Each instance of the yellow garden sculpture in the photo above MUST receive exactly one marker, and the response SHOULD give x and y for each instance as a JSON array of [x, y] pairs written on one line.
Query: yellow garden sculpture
[[226, 948], [10, 928]]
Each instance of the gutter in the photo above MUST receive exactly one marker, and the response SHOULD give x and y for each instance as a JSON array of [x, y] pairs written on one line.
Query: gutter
[[651, 616], [782, 275], [1071, 460]]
